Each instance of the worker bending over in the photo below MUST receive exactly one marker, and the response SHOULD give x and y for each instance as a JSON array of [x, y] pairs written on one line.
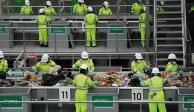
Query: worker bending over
[[172, 66], [82, 82], [105, 10], [3, 66], [84, 60], [90, 24], [26, 9], [156, 93], [139, 64], [80, 8], [44, 65]]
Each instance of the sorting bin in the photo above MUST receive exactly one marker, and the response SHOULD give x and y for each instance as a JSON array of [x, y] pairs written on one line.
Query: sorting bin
[[187, 95], [15, 94], [103, 94]]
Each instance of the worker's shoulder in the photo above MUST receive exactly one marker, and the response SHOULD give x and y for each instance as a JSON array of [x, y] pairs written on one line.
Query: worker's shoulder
[[4, 60], [90, 60], [133, 61], [39, 63], [51, 61], [76, 5]]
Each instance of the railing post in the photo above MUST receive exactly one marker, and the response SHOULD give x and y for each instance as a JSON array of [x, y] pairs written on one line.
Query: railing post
[[147, 34]]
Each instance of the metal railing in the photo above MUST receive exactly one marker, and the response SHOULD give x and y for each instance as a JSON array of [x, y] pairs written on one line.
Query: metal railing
[[125, 100], [184, 29]]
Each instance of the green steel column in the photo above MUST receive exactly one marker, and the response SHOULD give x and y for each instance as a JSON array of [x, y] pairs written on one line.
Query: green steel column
[[18, 3], [73, 2]]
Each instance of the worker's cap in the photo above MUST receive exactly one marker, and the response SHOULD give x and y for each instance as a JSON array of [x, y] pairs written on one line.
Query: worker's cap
[[48, 3], [81, 1], [138, 56], [106, 4], [90, 9], [45, 58], [41, 10], [27, 2], [84, 55], [172, 56], [84, 67], [155, 70], [1, 54]]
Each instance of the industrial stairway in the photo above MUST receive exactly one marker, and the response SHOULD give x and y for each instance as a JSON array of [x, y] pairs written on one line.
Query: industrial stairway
[[169, 31]]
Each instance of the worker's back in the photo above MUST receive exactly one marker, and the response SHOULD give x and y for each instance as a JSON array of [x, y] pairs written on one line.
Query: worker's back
[[91, 19], [82, 81], [155, 87]]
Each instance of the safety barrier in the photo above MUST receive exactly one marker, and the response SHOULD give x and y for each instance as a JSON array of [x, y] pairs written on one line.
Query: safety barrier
[[59, 98]]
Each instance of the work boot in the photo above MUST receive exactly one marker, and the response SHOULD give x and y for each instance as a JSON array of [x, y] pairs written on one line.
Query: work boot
[[46, 45], [93, 45], [41, 45]]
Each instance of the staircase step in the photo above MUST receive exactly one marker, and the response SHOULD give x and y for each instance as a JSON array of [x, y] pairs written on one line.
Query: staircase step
[[170, 25], [167, 38], [164, 19], [170, 12], [165, 59], [169, 45], [169, 32], [171, 6]]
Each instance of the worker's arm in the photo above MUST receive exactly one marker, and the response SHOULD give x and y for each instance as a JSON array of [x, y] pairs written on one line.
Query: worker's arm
[[132, 8], [168, 68], [76, 65], [100, 12], [133, 66], [37, 19], [96, 18], [5, 66], [85, 9], [74, 81], [110, 11], [31, 11], [53, 11], [74, 9], [145, 82], [52, 63], [36, 68], [91, 66], [22, 10], [90, 82]]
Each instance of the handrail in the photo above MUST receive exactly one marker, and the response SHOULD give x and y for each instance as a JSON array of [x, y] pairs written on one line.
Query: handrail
[[155, 30], [184, 30], [120, 101]]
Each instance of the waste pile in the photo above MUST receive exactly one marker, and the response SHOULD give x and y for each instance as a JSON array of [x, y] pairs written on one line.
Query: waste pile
[[185, 79], [104, 79], [111, 78]]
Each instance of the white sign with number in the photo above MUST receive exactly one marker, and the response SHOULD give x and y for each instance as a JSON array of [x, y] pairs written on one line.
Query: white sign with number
[[64, 94], [137, 94]]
